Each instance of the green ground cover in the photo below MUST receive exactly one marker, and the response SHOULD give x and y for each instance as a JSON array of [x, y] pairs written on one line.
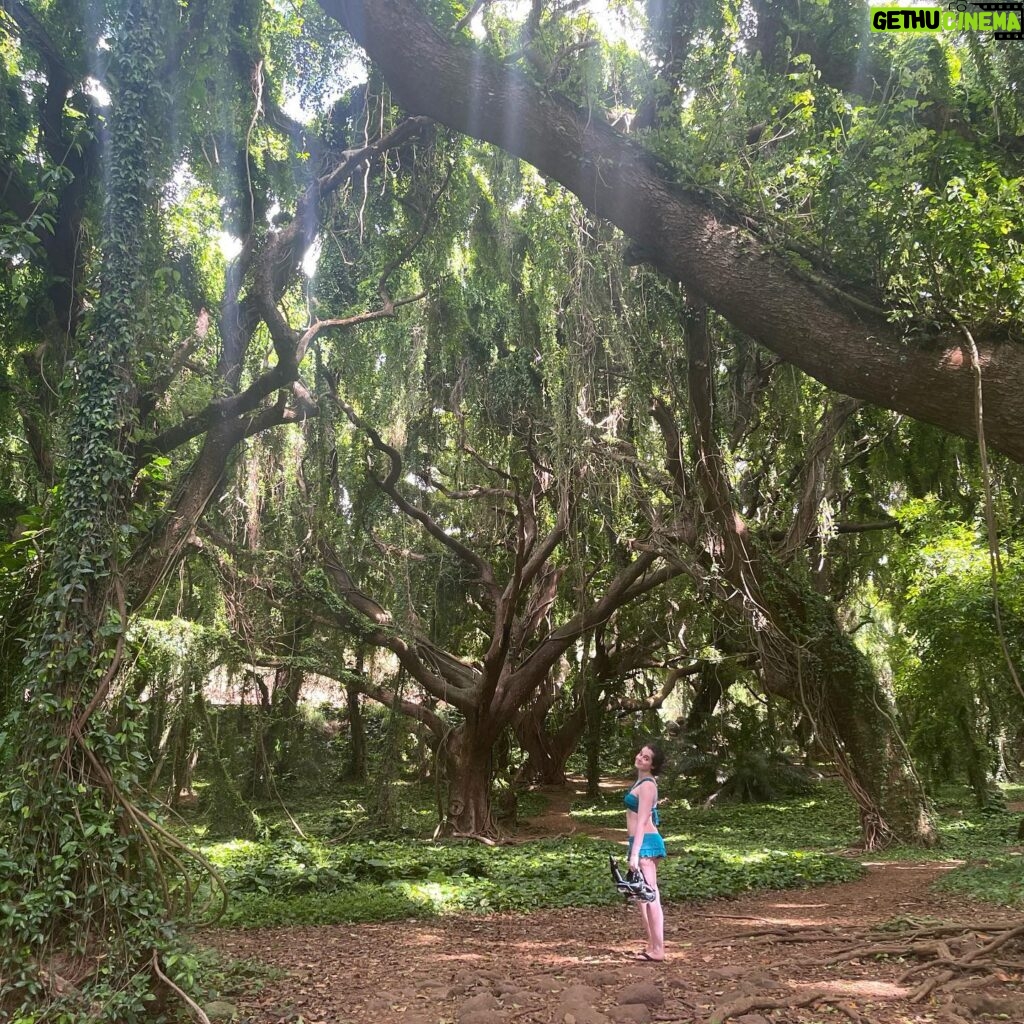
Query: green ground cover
[[826, 821], [992, 872], [823, 821], [342, 871], [294, 881]]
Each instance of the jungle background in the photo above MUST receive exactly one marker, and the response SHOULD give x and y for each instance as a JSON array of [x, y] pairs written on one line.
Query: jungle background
[[407, 404]]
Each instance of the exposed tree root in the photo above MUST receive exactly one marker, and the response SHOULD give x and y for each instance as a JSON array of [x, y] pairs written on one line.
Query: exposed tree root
[[770, 936], [950, 1017], [476, 837], [952, 950], [855, 1015], [961, 963], [747, 1004], [958, 965]]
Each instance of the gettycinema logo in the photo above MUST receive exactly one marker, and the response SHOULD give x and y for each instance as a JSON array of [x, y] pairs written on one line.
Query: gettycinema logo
[[1000, 20]]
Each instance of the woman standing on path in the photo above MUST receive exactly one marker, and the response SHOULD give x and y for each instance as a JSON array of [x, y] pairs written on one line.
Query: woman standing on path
[[646, 847]]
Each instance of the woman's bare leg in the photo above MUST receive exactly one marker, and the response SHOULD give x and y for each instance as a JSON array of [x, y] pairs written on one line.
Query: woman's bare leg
[[654, 918]]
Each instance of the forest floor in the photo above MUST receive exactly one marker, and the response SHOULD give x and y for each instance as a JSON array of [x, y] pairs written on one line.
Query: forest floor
[[752, 960]]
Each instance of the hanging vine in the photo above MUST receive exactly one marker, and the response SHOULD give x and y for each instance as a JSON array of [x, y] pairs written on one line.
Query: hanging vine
[[91, 879]]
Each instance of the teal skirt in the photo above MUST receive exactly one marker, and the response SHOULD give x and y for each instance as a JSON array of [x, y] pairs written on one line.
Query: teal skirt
[[652, 847]]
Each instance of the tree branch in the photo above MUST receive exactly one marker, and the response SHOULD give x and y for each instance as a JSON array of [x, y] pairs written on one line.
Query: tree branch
[[389, 486], [684, 235]]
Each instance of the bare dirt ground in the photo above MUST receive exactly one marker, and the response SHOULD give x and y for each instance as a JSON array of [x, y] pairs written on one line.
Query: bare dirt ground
[[769, 958]]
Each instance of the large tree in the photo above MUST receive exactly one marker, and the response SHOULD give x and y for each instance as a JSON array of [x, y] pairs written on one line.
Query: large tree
[[804, 655], [819, 321], [137, 359]]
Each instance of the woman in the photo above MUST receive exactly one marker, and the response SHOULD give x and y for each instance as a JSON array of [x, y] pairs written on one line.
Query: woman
[[646, 847]]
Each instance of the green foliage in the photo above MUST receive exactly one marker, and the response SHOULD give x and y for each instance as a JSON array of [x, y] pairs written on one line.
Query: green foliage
[[741, 749], [992, 874], [531, 357], [951, 676], [787, 117], [283, 879], [756, 776], [960, 249], [827, 820], [82, 872], [292, 882], [966, 832], [999, 880]]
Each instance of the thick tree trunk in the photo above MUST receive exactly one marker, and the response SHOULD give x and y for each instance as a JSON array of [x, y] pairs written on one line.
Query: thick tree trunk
[[806, 321], [698, 725], [182, 743], [258, 780], [548, 750], [809, 659], [288, 682], [976, 755], [596, 706], [470, 771]]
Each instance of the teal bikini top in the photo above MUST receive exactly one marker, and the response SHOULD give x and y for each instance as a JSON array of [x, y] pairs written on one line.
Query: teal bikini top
[[632, 802]]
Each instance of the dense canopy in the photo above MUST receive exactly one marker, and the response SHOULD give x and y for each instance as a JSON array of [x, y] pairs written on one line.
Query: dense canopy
[[512, 367]]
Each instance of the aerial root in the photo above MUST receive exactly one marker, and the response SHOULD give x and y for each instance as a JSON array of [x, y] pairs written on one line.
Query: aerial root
[[197, 1011]]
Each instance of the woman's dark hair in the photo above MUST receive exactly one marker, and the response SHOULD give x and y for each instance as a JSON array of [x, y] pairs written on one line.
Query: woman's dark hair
[[657, 757]]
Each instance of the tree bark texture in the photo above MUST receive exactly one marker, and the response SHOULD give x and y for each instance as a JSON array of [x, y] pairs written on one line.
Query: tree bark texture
[[470, 771], [524, 645], [807, 658], [356, 728], [549, 749]]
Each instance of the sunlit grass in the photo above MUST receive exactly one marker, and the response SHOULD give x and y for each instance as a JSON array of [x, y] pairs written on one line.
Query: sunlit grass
[[825, 821], [999, 880], [292, 881], [373, 876], [1012, 792]]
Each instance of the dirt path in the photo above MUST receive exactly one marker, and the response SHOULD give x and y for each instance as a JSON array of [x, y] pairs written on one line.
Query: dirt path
[[556, 820], [576, 966]]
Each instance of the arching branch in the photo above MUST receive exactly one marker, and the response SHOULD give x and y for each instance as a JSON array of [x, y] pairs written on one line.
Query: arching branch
[[685, 235], [389, 485]]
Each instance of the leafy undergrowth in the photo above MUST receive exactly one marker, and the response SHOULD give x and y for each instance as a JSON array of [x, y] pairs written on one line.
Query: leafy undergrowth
[[296, 882], [989, 840], [344, 873], [967, 832], [999, 881], [825, 820], [346, 811], [983, 837]]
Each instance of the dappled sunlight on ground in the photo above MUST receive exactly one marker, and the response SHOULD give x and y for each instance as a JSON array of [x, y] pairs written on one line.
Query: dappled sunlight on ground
[[858, 989], [535, 965], [944, 865]]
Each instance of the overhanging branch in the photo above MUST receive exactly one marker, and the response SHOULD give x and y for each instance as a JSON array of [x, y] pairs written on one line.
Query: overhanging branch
[[849, 349]]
